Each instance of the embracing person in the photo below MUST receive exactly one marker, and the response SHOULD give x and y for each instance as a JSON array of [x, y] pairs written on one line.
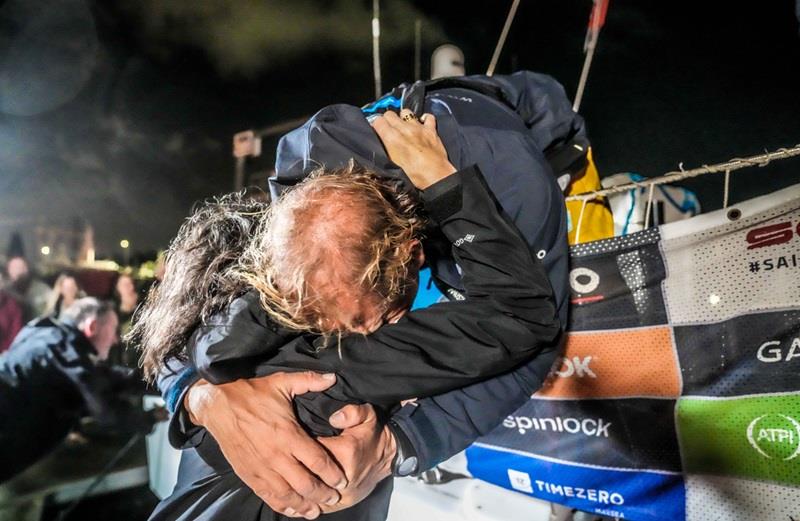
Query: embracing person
[[252, 418]]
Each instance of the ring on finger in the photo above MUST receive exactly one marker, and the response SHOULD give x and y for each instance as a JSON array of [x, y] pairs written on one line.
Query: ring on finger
[[410, 116]]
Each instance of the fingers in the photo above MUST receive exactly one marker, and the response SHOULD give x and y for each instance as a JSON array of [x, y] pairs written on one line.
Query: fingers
[[351, 415], [392, 119], [306, 382], [317, 460], [428, 121], [305, 484], [280, 496]]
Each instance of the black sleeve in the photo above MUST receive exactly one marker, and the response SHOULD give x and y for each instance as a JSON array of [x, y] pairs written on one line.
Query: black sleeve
[[508, 317]]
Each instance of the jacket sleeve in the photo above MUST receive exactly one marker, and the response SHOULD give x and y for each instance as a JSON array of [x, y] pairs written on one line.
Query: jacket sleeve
[[441, 426], [508, 317]]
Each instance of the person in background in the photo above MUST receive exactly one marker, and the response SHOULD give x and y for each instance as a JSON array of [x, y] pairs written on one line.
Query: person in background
[[53, 376], [28, 289], [64, 293], [126, 299], [10, 318]]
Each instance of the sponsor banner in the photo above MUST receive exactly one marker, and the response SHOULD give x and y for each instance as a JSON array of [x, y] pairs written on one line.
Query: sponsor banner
[[616, 283], [736, 268], [754, 437], [751, 354], [630, 433], [617, 364], [718, 497], [682, 356], [637, 495]]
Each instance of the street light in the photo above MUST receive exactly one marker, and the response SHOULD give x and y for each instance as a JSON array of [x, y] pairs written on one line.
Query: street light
[[45, 250], [125, 245]]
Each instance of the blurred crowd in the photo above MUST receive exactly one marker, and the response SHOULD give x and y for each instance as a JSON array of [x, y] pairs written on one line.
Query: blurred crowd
[[25, 296]]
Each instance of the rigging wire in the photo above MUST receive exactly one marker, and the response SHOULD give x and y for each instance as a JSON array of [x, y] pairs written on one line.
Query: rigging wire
[[596, 21], [731, 165], [501, 42], [376, 47], [417, 49]]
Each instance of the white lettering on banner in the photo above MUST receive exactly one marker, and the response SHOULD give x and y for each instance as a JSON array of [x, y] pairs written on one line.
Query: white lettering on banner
[[596, 495], [586, 426], [576, 366], [769, 354], [609, 513]]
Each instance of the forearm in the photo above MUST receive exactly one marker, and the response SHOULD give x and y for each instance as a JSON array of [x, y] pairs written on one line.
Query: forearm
[[441, 426]]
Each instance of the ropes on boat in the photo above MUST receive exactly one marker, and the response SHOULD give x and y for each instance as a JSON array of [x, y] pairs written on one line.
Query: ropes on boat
[[672, 177], [501, 42]]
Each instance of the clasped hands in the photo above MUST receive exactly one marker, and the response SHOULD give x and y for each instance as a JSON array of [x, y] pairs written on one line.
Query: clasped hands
[[254, 424]]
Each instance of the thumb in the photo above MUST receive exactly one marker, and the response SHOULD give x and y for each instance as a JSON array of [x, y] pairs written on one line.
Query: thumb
[[351, 415], [307, 381]]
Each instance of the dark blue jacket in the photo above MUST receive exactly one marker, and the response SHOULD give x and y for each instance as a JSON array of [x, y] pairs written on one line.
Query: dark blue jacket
[[517, 129], [48, 381]]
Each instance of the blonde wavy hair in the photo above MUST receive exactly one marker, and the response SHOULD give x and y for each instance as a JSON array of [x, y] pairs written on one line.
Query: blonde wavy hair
[[343, 229]]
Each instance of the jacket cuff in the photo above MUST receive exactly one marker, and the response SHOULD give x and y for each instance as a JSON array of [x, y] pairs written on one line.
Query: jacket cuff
[[418, 435], [182, 433], [444, 198]]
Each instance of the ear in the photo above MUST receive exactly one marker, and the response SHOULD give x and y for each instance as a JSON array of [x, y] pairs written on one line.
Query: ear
[[417, 254], [89, 327]]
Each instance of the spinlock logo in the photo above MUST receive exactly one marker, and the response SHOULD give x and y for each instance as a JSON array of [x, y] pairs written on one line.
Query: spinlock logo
[[772, 351], [771, 235], [775, 436], [576, 366], [586, 426]]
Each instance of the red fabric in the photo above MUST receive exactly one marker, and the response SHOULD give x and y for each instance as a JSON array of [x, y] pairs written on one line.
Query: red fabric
[[10, 320], [598, 15]]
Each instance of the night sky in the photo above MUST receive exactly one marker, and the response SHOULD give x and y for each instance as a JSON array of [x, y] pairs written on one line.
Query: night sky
[[121, 113]]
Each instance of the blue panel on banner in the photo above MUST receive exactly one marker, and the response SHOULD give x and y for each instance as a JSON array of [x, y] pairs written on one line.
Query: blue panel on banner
[[640, 495]]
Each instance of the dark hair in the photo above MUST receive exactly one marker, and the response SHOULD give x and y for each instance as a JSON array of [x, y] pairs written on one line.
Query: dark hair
[[197, 280]]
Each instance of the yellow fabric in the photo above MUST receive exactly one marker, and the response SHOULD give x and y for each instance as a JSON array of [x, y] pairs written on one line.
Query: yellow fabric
[[597, 222]]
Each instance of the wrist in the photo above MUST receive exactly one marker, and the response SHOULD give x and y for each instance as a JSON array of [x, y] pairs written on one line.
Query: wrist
[[388, 452], [405, 461], [433, 174]]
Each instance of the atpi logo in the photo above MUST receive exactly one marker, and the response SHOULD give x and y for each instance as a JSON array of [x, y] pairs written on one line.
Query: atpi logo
[[775, 436], [771, 235]]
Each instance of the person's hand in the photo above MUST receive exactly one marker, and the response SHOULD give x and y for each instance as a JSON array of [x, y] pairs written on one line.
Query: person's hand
[[254, 423], [364, 449], [414, 146]]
